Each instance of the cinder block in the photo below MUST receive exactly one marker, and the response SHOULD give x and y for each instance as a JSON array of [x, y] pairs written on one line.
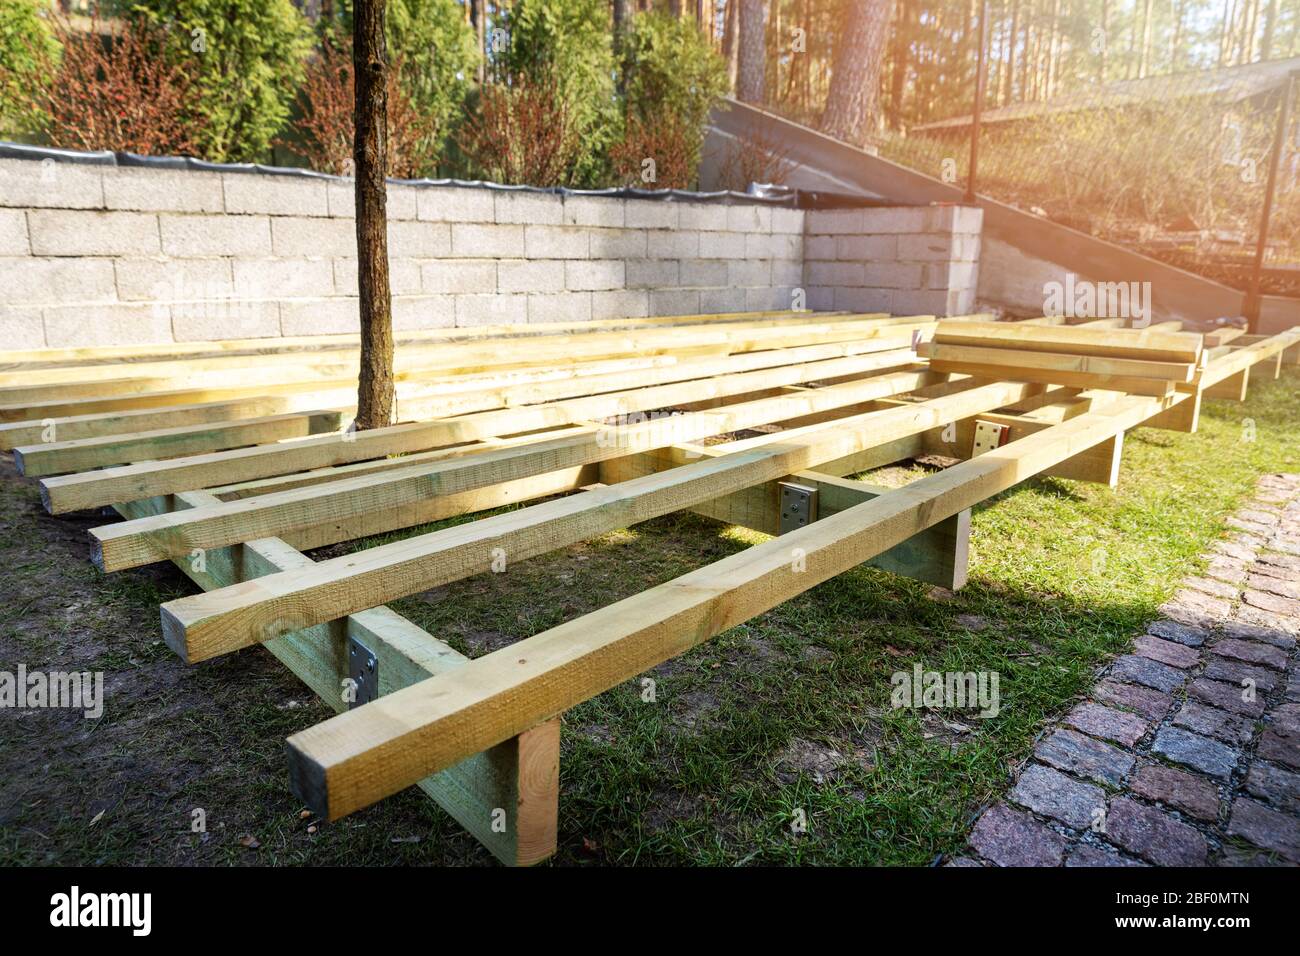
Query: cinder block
[[486, 240], [926, 302], [593, 274], [458, 275], [622, 304], [820, 247], [559, 307], [529, 208], [162, 190], [49, 281], [456, 204], [341, 198], [424, 240], [787, 220], [282, 278], [294, 236], [275, 195], [203, 235], [966, 248], [618, 243], [925, 248], [594, 211], [555, 242], [969, 220], [225, 319], [767, 246], [672, 245], [864, 300], [866, 248], [787, 272], [66, 326], [722, 245], [13, 233], [172, 280], [749, 218], [715, 301], [701, 216], [821, 299], [78, 232], [650, 214], [497, 309], [403, 277], [402, 201], [423, 312], [896, 219], [333, 316], [834, 222], [757, 272], [651, 273], [530, 275], [953, 275], [836, 273], [49, 184], [21, 327], [892, 275], [674, 302], [703, 272], [767, 300]]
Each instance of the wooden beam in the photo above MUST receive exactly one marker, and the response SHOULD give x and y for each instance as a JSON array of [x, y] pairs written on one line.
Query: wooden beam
[[356, 759], [1233, 387], [1129, 344], [207, 625], [518, 777]]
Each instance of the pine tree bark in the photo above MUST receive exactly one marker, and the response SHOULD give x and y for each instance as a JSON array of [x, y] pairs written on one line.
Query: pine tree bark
[[1011, 51], [853, 103], [370, 153], [731, 41], [1270, 28], [752, 65], [478, 17]]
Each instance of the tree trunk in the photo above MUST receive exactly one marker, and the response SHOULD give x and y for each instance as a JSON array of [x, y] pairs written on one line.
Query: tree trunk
[[731, 41], [901, 56], [1144, 57], [1105, 41], [852, 105], [478, 17], [753, 51], [370, 152], [1270, 27]]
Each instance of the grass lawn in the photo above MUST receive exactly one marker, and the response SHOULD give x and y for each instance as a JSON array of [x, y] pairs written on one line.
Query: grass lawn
[[788, 714]]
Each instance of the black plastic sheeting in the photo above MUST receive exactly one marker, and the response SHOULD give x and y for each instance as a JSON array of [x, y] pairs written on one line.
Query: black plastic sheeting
[[761, 193]]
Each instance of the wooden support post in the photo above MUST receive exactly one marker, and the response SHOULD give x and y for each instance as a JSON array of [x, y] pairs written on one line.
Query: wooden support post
[[1185, 416], [520, 776], [1233, 387]]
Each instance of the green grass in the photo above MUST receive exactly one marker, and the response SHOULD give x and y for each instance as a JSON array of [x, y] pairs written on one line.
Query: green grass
[[1063, 575]]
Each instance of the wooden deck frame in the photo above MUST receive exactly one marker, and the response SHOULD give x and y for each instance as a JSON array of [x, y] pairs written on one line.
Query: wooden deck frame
[[433, 724]]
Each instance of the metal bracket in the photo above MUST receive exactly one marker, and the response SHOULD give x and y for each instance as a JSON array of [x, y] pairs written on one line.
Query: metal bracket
[[798, 506], [988, 436], [363, 671]]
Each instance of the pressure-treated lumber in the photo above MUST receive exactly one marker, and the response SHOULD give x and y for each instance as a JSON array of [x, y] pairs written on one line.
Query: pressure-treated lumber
[[1147, 344], [355, 759], [129, 545], [205, 625], [518, 777]]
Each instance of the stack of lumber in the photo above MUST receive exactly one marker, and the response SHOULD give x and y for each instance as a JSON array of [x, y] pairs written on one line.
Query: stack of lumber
[[1137, 361]]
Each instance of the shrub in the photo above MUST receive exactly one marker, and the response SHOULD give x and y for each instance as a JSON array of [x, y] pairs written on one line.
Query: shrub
[[671, 68], [326, 127], [435, 52], [521, 134], [115, 92], [568, 44], [247, 58], [27, 50], [662, 153], [758, 157]]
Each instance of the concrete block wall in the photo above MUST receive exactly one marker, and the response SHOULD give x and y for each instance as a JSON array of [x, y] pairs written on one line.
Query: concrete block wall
[[101, 255], [900, 259]]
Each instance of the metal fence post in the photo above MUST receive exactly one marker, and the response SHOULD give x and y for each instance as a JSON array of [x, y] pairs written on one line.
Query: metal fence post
[[1254, 301], [979, 101]]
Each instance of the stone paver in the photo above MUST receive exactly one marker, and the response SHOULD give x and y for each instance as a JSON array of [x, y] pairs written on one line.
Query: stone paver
[[1188, 792], [1200, 753], [1009, 838], [1166, 652], [1108, 723], [1055, 795], [1154, 835], [1193, 737], [1082, 755]]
